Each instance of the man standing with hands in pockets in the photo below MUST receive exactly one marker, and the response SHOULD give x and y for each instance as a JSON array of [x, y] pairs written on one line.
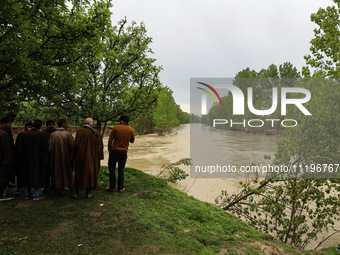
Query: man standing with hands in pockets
[[120, 137]]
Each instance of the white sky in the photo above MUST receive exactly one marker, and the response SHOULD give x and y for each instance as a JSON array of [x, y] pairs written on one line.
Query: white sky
[[218, 38]]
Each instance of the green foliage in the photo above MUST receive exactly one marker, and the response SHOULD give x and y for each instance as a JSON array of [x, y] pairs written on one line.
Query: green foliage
[[118, 77], [144, 123], [173, 173], [293, 210], [325, 56], [195, 118], [64, 59], [331, 250], [161, 117], [183, 117], [165, 113], [75, 63], [41, 42], [296, 207], [316, 139], [28, 111]]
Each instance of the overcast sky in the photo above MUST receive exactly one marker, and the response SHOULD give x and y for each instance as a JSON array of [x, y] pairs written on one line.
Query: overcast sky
[[218, 38]]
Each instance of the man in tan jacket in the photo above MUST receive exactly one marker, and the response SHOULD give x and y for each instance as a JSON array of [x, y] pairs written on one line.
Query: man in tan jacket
[[61, 145], [120, 137]]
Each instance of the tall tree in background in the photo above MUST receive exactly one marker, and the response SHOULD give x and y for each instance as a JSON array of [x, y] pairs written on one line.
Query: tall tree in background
[[165, 112], [162, 117], [66, 59], [118, 77], [41, 40], [297, 209], [325, 47]]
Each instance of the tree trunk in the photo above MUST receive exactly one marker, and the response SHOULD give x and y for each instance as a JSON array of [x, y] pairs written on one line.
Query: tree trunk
[[103, 132], [99, 126]]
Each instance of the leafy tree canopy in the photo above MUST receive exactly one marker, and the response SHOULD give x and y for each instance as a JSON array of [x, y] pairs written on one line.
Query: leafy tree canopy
[[325, 46], [297, 209], [38, 38], [66, 59]]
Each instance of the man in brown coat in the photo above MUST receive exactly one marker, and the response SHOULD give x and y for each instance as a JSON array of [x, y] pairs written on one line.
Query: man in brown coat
[[61, 145], [6, 156], [87, 153], [31, 153], [120, 137]]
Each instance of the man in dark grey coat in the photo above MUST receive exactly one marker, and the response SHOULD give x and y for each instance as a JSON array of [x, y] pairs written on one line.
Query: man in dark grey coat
[[31, 152]]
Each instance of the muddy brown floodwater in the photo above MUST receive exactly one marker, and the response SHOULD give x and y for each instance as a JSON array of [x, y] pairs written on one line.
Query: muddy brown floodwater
[[150, 153]]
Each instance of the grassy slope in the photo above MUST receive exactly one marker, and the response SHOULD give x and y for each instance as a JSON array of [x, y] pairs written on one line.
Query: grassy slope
[[150, 217]]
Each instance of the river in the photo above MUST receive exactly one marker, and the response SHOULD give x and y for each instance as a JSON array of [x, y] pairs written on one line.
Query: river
[[150, 153]]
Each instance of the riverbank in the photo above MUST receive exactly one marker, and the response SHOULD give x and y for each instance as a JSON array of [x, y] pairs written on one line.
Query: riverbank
[[150, 152], [151, 217]]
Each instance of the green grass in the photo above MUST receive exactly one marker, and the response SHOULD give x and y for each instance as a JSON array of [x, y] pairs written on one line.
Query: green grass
[[331, 250], [150, 217]]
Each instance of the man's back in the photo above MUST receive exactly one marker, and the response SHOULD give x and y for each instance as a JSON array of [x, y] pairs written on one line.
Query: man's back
[[34, 145], [87, 153], [61, 146], [87, 143], [31, 150], [62, 140], [120, 137]]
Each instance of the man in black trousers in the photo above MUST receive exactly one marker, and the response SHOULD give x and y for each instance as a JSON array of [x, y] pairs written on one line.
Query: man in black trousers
[[120, 137]]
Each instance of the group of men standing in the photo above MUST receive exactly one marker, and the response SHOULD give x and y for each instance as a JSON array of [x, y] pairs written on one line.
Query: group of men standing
[[38, 158]]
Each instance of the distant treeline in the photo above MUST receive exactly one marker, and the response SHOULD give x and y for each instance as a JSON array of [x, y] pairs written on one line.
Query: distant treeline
[[161, 117]]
